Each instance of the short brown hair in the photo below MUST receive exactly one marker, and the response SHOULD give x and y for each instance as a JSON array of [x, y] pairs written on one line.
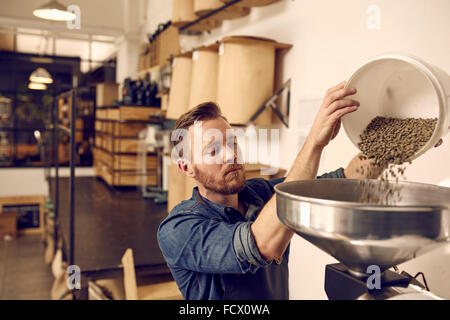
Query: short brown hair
[[204, 111]]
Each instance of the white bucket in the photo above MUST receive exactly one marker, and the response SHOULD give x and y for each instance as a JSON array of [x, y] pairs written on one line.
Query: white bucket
[[399, 86]]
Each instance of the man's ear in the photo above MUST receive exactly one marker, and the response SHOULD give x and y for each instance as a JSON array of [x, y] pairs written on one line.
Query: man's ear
[[186, 167]]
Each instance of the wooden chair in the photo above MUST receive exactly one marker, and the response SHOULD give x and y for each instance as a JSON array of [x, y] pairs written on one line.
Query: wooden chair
[[158, 291]]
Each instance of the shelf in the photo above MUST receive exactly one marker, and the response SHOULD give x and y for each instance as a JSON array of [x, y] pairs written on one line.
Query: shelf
[[185, 28], [117, 106], [130, 121], [122, 164], [122, 153], [129, 112]]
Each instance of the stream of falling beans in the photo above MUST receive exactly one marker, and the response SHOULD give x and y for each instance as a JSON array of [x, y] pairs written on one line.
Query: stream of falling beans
[[390, 143]]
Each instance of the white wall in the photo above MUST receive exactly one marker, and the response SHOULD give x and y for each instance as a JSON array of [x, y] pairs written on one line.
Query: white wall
[[26, 181], [31, 181], [331, 39]]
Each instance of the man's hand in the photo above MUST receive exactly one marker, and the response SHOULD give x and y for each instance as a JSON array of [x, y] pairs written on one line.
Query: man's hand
[[361, 168], [328, 119]]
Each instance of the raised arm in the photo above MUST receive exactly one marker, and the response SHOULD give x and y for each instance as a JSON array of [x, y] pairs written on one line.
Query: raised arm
[[271, 236]]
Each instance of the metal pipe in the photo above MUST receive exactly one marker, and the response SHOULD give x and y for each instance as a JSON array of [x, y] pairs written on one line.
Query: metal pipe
[[56, 165], [72, 176]]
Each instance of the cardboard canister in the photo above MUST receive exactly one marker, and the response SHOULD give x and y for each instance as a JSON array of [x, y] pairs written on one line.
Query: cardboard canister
[[180, 87], [252, 3], [205, 67], [176, 186], [183, 13], [164, 101], [246, 77], [202, 7], [179, 186]]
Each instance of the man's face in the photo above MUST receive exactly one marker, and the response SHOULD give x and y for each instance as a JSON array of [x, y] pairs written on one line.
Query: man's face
[[218, 170]]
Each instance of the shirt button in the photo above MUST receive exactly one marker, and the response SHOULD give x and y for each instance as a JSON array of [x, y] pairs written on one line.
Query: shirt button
[[227, 209]]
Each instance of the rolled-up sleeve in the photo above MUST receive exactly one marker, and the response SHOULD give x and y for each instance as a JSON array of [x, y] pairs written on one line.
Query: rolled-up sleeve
[[196, 243], [246, 249]]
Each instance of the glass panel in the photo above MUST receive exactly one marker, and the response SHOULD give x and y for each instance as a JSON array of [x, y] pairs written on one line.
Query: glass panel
[[38, 44], [100, 52]]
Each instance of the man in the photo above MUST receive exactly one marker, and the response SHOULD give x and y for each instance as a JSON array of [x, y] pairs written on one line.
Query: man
[[226, 242]]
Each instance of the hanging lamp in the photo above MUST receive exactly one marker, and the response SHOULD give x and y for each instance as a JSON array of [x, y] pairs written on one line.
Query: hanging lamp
[[40, 75], [53, 10]]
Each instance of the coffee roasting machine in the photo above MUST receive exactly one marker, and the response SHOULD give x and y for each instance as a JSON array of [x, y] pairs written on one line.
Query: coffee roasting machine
[[367, 238]]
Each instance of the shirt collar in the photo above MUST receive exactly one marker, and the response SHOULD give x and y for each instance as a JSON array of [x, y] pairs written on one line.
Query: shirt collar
[[249, 197]]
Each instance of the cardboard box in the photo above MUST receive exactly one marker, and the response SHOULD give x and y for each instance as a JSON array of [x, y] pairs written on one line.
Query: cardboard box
[[8, 224], [133, 113], [144, 50], [130, 177], [7, 41], [21, 205], [107, 94], [161, 49], [118, 162], [101, 113], [169, 45]]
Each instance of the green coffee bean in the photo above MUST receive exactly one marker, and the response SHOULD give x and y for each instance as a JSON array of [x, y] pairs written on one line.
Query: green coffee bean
[[391, 142]]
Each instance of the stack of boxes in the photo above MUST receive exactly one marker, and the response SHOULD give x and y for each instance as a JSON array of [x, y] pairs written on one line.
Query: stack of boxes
[[117, 131]]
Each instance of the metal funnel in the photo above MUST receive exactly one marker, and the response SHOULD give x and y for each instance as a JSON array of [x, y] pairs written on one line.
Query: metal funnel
[[327, 213]]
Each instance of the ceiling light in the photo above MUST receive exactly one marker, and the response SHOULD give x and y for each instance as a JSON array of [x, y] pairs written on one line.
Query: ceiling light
[[41, 75], [54, 10], [37, 86]]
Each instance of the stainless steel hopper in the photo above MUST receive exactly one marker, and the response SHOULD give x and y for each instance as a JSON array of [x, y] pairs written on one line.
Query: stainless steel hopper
[[327, 213]]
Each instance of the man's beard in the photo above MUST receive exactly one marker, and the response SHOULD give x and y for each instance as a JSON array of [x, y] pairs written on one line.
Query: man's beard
[[224, 184]]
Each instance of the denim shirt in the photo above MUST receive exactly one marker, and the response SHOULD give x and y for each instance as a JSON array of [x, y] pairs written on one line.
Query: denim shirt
[[212, 254]]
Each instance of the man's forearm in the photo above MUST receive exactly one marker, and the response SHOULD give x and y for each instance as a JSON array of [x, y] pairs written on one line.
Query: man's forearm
[[306, 164], [270, 235]]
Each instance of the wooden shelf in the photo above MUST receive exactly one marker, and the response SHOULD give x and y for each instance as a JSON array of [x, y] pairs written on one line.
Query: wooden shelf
[[117, 144], [125, 112], [190, 26], [120, 170], [23, 201]]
